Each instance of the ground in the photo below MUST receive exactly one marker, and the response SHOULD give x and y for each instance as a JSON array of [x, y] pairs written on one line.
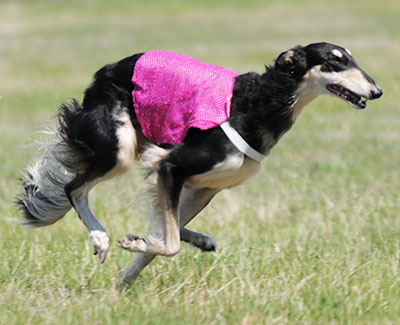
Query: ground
[[314, 238]]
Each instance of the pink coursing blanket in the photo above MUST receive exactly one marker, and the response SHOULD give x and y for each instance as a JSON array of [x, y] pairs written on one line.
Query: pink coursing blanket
[[173, 92]]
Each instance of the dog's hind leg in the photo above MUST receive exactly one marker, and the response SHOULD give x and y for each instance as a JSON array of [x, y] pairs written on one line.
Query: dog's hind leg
[[77, 191], [191, 203], [99, 142], [130, 274]]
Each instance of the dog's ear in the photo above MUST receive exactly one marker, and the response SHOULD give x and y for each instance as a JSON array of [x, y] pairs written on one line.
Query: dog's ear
[[293, 61]]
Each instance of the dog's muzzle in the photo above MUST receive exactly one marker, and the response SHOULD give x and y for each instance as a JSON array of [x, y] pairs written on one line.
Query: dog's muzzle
[[376, 93], [355, 100]]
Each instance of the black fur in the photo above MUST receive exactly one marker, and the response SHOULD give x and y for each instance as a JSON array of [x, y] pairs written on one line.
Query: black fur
[[90, 130], [262, 110], [88, 146], [320, 53], [261, 105]]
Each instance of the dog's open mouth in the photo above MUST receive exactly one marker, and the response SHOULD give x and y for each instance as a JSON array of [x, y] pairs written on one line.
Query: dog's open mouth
[[346, 94]]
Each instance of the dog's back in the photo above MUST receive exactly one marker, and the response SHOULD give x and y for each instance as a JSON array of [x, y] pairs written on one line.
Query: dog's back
[[100, 138]]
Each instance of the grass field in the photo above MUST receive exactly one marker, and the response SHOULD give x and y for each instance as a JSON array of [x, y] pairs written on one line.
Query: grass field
[[314, 238]]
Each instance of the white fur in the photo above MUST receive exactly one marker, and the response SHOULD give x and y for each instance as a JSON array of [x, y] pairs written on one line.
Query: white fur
[[337, 53], [316, 81], [150, 159], [99, 240], [127, 141], [157, 243], [234, 170], [152, 156], [47, 177]]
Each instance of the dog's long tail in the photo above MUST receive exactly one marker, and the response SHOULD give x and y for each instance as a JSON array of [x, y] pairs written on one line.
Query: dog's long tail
[[43, 200]]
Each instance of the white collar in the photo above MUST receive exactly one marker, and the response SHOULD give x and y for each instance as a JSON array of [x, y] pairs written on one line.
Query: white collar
[[240, 143]]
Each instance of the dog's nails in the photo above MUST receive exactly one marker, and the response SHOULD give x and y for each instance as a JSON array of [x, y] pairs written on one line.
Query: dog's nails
[[103, 258], [131, 237]]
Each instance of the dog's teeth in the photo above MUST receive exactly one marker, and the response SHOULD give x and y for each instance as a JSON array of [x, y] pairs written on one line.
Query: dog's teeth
[[362, 103], [363, 100]]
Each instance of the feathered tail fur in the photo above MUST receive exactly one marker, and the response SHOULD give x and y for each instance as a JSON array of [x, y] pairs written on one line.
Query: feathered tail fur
[[43, 200]]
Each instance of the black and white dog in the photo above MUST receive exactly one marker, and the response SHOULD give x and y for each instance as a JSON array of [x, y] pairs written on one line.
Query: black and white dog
[[99, 139]]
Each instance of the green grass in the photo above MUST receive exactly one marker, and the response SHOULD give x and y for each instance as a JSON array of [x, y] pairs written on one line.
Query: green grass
[[314, 238]]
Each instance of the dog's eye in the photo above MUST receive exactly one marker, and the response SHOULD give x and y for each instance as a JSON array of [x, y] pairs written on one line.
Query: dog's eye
[[336, 59], [332, 58]]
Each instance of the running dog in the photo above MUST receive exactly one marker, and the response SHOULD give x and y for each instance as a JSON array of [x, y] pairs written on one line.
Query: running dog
[[196, 127]]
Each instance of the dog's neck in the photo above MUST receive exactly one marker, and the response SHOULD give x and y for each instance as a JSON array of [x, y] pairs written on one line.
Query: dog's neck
[[264, 107]]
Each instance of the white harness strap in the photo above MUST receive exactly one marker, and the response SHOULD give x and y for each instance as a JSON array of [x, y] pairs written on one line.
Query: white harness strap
[[240, 143]]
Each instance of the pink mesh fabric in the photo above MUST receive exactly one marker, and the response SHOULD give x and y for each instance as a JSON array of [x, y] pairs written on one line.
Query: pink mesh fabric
[[173, 92]]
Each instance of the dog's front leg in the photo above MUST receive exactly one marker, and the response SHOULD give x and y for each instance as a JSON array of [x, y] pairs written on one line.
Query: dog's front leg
[[191, 202], [164, 238]]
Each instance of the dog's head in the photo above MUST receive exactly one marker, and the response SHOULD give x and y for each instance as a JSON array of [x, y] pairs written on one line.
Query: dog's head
[[323, 68]]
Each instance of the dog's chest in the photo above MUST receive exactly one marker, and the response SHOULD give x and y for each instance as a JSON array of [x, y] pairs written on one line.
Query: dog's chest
[[231, 172]]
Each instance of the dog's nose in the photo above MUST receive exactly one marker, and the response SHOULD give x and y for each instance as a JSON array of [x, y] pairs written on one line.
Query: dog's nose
[[376, 93]]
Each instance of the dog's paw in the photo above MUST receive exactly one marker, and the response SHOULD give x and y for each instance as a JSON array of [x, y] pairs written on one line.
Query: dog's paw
[[130, 243], [99, 240], [205, 243]]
